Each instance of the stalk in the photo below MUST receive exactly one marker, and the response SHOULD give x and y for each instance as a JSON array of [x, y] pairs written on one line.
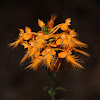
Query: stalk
[[51, 87]]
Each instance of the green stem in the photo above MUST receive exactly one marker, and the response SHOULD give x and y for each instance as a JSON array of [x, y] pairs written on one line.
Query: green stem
[[52, 90]]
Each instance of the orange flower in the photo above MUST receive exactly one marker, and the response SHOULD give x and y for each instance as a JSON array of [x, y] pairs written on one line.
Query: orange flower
[[40, 38], [20, 38], [62, 37], [25, 44], [35, 63], [72, 33], [64, 40], [23, 36], [28, 46], [36, 60], [64, 26], [49, 54], [28, 33], [70, 58], [42, 46]]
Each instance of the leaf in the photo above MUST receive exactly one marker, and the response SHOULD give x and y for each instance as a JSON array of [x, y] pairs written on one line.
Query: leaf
[[60, 88], [45, 88], [50, 92], [45, 30]]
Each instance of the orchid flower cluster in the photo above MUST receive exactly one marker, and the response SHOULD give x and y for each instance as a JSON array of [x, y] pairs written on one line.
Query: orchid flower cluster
[[48, 47]]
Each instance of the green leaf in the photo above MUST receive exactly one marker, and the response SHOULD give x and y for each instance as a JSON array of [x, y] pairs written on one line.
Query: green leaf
[[50, 92], [45, 30], [45, 88], [60, 88], [46, 33]]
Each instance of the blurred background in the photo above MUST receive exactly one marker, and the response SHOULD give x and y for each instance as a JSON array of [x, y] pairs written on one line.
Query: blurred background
[[18, 84]]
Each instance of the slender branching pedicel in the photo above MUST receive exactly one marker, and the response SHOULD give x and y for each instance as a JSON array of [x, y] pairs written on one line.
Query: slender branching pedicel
[[43, 46]]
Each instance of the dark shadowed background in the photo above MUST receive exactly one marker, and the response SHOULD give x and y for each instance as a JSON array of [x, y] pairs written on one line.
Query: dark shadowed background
[[18, 84]]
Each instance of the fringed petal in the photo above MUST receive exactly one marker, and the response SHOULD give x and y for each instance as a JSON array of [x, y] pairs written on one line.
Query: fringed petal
[[79, 43], [32, 51], [82, 52], [15, 44], [34, 65], [73, 61]]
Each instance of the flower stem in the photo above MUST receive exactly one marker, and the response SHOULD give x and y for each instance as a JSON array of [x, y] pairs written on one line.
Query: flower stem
[[51, 88]]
